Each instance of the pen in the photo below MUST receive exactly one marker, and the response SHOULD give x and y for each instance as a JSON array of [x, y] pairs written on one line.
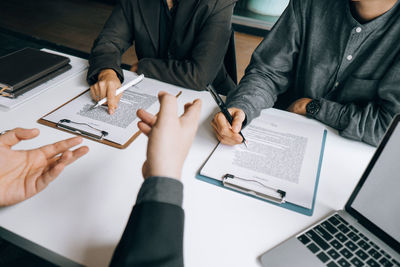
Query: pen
[[120, 90], [223, 108]]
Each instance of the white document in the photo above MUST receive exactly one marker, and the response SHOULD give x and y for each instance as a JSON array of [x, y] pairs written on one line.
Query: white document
[[120, 126], [78, 66], [283, 153]]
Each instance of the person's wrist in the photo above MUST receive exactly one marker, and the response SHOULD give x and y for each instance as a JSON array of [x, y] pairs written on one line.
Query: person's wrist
[[159, 174], [107, 73], [174, 173], [164, 173]]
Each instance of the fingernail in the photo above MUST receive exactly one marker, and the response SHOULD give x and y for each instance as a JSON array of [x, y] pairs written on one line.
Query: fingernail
[[111, 111]]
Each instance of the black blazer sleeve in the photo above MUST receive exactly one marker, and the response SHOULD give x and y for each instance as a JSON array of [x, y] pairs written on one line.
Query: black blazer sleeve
[[116, 37], [153, 237], [207, 53]]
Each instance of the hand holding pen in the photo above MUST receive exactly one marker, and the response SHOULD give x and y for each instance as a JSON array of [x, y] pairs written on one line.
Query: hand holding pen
[[119, 92], [228, 123]]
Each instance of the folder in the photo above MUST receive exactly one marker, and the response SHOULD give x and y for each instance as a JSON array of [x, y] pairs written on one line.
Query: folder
[[27, 68], [272, 194], [78, 66]]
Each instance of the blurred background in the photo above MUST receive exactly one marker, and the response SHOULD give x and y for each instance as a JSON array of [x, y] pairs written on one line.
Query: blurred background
[[76, 23]]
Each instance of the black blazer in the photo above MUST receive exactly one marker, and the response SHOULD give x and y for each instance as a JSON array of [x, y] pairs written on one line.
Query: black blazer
[[153, 237], [196, 52]]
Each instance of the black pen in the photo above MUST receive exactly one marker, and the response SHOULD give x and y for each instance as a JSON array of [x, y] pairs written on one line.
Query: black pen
[[223, 108]]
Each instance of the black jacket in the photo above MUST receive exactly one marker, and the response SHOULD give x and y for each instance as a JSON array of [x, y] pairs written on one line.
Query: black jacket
[[153, 237], [198, 44]]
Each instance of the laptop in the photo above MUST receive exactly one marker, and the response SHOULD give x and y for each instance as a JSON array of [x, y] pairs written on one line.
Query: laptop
[[366, 232]]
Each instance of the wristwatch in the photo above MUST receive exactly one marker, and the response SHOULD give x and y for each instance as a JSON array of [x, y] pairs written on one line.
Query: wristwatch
[[313, 107]]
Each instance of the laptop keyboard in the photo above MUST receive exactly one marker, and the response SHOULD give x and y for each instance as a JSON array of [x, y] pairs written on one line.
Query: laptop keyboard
[[336, 243]]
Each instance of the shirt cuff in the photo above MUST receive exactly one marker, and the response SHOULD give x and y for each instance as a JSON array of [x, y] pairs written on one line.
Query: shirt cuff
[[247, 111], [244, 98], [161, 189], [330, 114]]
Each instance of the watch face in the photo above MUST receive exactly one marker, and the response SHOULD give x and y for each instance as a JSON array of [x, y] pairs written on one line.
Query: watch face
[[313, 107]]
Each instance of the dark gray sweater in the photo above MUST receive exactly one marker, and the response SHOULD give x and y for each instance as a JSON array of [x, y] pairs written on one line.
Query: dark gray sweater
[[319, 50]]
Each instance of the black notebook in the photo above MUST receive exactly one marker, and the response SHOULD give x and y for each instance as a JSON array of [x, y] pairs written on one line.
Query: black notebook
[[27, 68]]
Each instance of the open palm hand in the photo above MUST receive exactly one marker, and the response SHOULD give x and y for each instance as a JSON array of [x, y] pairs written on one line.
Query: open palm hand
[[24, 173]]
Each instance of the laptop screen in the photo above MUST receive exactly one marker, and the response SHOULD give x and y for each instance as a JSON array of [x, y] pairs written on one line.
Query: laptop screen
[[375, 201]]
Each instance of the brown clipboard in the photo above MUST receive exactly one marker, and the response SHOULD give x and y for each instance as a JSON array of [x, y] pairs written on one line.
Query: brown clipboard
[[103, 141]]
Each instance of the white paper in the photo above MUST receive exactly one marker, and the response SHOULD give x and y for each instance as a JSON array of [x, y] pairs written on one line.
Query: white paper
[[78, 66], [122, 125], [282, 153]]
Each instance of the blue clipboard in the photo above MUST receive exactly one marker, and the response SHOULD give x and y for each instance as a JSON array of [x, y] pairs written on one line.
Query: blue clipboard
[[286, 205]]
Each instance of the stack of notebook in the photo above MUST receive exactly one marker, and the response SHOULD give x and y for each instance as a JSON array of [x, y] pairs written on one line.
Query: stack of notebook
[[27, 68]]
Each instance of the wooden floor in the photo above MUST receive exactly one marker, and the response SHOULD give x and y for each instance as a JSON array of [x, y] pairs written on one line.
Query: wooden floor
[[76, 24]]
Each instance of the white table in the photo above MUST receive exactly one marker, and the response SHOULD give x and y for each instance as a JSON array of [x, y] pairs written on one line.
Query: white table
[[83, 213]]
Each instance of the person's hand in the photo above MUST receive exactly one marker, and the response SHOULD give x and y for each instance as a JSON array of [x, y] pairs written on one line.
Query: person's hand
[[134, 67], [106, 86], [227, 134], [170, 136], [24, 173], [299, 106]]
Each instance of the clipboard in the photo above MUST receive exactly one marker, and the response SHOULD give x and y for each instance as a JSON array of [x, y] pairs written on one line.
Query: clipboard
[[73, 127], [62, 126], [269, 198]]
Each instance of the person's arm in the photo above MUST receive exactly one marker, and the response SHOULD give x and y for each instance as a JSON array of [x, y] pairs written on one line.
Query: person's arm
[[115, 38], [367, 123], [271, 68], [24, 173], [105, 73], [206, 57], [154, 233], [268, 75]]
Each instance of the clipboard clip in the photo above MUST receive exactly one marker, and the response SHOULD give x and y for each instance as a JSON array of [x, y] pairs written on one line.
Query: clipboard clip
[[236, 183], [62, 124]]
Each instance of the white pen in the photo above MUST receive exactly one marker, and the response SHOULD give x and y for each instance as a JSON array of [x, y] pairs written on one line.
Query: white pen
[[120, 90]]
